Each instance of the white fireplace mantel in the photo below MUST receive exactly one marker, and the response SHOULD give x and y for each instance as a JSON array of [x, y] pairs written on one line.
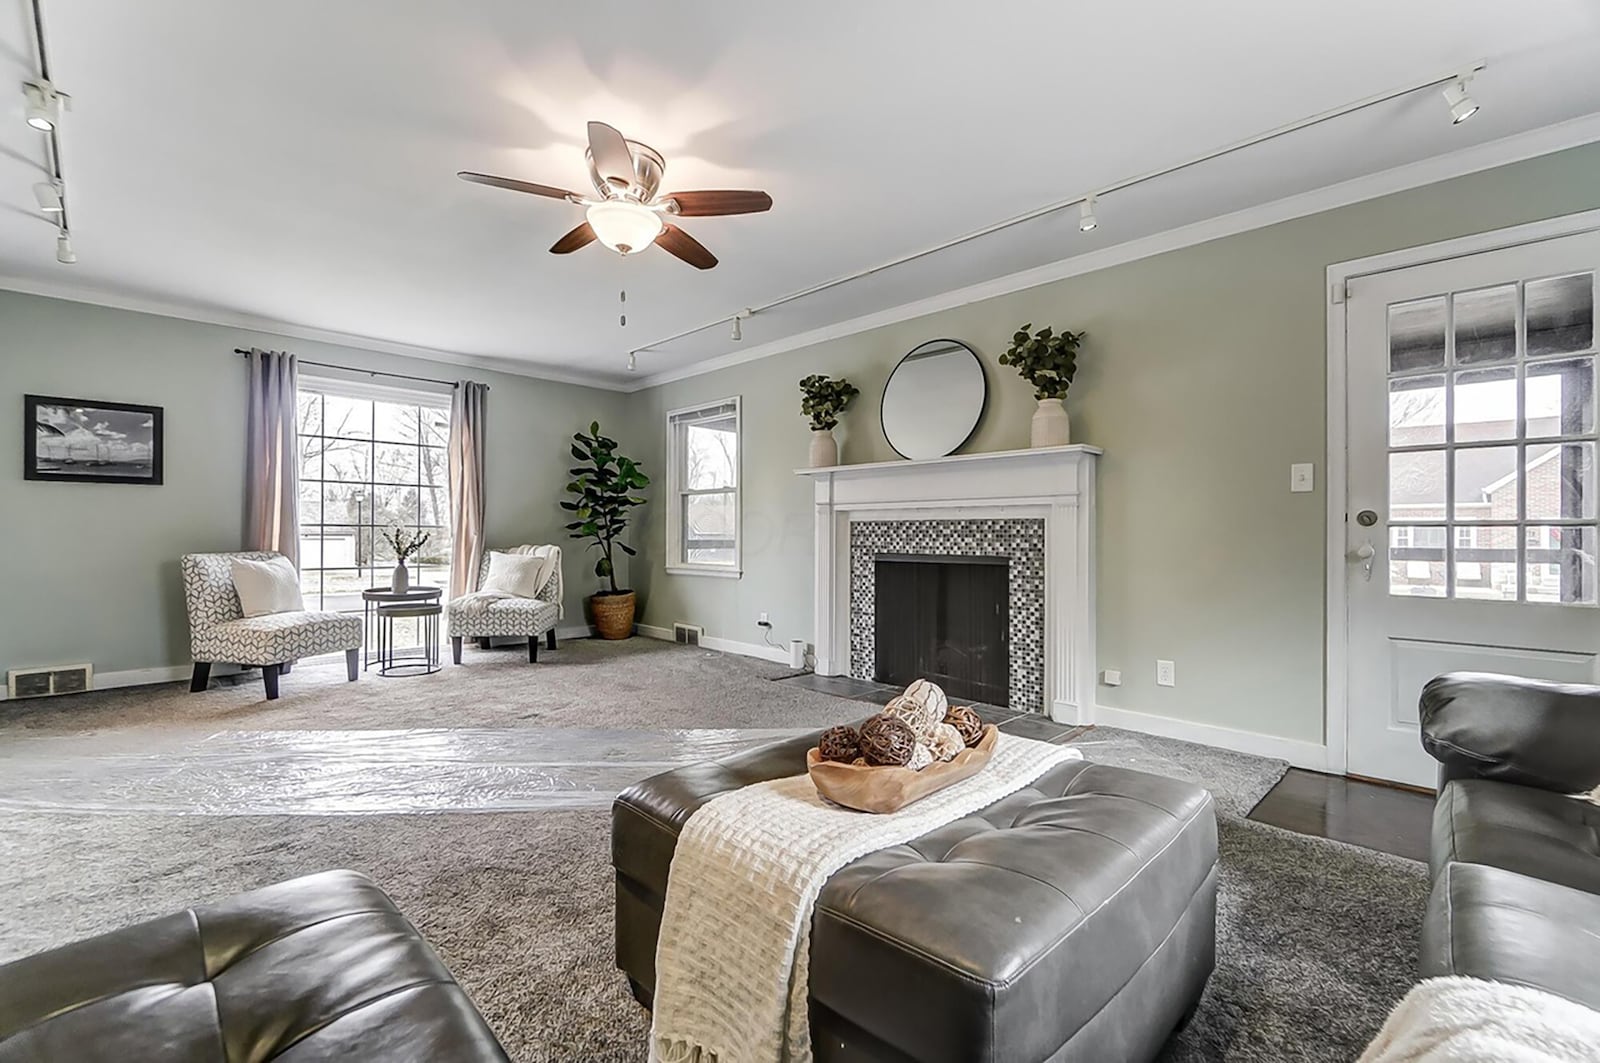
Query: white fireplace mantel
[[1052, 483]]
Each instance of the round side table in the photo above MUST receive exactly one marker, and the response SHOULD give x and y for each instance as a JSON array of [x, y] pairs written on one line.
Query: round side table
[[374, 598], [393, 663]]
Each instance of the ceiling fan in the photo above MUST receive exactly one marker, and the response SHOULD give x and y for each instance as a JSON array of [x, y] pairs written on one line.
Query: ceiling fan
[[627, 214]]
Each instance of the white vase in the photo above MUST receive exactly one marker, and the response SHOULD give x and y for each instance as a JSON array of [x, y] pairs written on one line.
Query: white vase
[[1051, 428], [400, 581], [824, 448]]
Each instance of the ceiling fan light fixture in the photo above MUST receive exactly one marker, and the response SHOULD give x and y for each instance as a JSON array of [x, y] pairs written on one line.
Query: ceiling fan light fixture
[[624, 226], [1087, 222], [1462, 105], [43, 105]]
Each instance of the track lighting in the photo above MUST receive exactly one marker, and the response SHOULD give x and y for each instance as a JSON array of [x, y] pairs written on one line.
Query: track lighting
[[633, 361], [1087, 222], [48, 193], [737, 334], [43, 105], [1462, 106], [64, 253]]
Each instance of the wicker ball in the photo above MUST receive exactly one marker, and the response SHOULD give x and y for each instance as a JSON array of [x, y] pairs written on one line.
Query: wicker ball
[[947, 742], [887, 741], [921, 757], [931, 697], [916, 715], [966, 722], [841, 743]]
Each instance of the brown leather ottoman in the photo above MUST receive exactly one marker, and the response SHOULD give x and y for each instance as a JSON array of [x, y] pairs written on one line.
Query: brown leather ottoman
[[321, 967], [1074, 920]]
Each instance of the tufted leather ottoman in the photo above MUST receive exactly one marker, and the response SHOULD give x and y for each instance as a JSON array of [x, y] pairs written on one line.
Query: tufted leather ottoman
[[321, 967], [1074, 920]]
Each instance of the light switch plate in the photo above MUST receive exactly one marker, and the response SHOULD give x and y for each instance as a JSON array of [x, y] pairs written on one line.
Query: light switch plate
[[1302, 477], [1111, 677]]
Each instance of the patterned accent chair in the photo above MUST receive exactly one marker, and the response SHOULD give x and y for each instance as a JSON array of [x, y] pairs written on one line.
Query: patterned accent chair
[[220, 632], [506, 618]]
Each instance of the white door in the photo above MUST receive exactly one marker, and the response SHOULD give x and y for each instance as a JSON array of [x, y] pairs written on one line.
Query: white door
[[1471, 441]]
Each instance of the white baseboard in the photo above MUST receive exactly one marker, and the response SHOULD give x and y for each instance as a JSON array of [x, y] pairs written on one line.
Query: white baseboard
[[575, 631], [139, 677], [1308, 755], [775, 654]]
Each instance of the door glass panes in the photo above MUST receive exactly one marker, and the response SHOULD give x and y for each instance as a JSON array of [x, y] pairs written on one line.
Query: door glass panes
[[367, 467], [1492, 444], [1560, 315], [1416, 335], [1485, 325]]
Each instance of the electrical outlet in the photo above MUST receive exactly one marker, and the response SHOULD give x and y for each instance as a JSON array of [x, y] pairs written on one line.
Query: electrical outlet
[[1111, 677], [1166, 674]]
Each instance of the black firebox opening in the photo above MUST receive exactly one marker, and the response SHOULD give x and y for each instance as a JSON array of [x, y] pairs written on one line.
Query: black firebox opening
[[947, 619]]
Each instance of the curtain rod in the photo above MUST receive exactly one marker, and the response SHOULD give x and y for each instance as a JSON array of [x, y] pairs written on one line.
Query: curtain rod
[[369, 372]]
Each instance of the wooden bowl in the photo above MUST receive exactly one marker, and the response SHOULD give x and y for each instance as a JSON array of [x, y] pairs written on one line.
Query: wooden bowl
[[871, 789]]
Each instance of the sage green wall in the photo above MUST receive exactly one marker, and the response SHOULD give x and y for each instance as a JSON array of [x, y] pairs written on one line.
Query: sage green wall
[[91, 571], [1202, 378]]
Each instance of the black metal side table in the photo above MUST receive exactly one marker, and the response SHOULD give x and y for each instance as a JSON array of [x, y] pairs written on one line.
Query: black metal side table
[[390, 661], [375, 598]]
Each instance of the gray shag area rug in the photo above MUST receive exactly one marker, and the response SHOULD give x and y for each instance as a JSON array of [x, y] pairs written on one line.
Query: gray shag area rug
[[1316, 940]]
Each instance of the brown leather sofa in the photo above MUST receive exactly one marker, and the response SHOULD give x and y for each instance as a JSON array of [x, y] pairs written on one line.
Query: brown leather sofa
[[1074, 920], [1515, 857], [317, 968]]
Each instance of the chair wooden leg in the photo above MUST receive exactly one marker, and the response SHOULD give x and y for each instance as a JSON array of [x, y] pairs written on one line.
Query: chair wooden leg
[[287, 667], [202, 677], [455, 648], [352, 663], [269, 676], [550, 639], [483, 644], [533, 649]]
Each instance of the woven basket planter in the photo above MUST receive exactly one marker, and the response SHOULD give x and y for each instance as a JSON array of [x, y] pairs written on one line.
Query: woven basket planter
[[613, 614]]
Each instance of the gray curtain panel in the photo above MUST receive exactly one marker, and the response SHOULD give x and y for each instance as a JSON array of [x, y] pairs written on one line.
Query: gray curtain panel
[[272, 455], [467, 413]]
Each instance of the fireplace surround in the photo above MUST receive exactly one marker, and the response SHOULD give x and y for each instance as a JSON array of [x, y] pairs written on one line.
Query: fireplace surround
[[1009, 498]]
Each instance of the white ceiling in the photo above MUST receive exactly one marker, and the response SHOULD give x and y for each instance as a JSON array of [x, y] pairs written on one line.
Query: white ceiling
[[295, 160]]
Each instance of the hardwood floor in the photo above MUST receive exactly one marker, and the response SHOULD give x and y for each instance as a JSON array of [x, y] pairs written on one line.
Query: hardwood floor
[[1368, 814]]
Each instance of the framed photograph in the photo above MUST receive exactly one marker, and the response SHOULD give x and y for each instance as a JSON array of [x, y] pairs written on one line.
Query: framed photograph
[[89, 441]]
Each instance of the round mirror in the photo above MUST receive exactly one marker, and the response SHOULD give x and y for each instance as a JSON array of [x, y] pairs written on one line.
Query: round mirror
[[933, 399]]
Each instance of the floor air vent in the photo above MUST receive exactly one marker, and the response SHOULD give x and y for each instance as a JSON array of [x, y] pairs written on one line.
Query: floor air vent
[[42, 682], [687, 634]]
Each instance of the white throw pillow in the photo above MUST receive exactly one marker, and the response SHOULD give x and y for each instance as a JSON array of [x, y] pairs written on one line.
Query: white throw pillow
[[265, 587], [518, 574]]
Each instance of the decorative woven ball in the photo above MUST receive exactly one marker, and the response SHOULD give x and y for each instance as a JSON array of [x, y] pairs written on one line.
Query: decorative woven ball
[[921, 757], [947, 742], [841, 743], [915, 714], [887, 741], [966, 722], [931, 697]]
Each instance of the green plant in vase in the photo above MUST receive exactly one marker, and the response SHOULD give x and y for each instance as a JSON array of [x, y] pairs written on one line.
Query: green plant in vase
[[823, 400], [604, 487], [1048, 360]]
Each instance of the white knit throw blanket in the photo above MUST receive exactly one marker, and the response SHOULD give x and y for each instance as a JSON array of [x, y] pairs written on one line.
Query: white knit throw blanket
[[733, 956], [1467, 1020]]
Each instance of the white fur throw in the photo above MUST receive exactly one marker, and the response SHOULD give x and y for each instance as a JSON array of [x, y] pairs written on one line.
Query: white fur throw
[[1593, 796], [734, 953], [1467, 1020]]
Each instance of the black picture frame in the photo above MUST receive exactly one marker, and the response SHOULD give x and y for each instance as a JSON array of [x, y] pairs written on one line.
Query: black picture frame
[[91, 441]]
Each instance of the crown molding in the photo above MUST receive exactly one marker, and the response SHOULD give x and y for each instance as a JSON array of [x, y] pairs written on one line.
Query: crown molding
[[272, 326], [1527, 145]]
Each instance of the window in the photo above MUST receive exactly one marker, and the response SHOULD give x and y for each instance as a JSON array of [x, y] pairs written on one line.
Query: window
[[372, 458], [703, 489]]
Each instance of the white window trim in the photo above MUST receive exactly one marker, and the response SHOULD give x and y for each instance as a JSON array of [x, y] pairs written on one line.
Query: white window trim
[[674, 498]]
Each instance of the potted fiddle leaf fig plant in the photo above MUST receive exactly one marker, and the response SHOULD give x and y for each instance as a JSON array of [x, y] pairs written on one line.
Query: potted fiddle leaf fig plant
[[824, 399], [1048, 360], [604, 487]]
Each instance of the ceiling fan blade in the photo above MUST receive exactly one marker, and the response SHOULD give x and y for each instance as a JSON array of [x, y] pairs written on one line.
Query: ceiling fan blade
[[721, 201], [612, 158], [582, 236], [515, 185], [675, 241]]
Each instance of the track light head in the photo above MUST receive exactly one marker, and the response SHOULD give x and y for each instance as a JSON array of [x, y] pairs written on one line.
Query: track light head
[[1087, 222], [64, 253], [1462, 105], [633, 361], [48, 193], [737, 333], [42, 105]]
